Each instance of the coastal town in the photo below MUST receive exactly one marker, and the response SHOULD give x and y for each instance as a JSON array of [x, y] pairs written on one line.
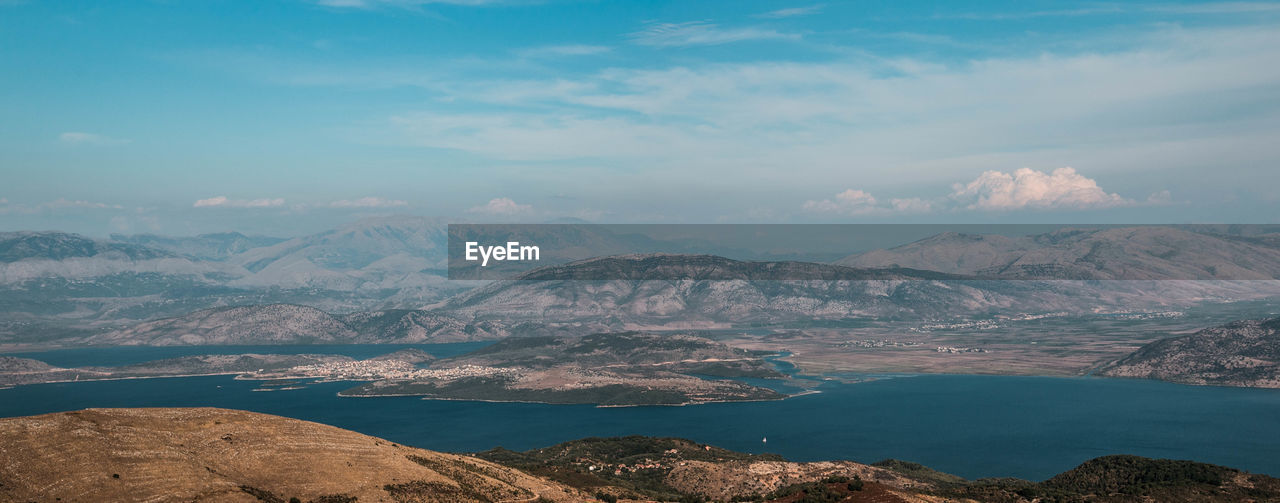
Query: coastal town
[[376, 370]]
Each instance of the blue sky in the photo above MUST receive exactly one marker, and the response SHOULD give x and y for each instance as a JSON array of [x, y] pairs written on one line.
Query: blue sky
[[292, 116]]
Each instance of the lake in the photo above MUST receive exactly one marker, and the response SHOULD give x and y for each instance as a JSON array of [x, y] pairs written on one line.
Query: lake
[[972, 426]]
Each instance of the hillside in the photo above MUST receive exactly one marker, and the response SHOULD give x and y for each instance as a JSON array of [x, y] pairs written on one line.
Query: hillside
[[208, 454], [1244, 353], [214, 246], [1132, 253], [269, 324], [1123, 479], [673, 469], [211, 454], [57, 286], [760, 293], [295, 324]]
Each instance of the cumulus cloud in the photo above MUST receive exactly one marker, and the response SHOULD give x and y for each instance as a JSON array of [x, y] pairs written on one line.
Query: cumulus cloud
[[367, 202], [501, 206], [1063, 188], [700, 33], [81, 138], [224, 202]]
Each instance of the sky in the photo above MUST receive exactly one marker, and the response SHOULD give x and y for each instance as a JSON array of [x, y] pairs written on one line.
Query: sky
[[287, 117]]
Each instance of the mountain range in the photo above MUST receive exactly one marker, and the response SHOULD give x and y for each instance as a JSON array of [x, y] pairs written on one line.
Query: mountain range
[[383, 279], [1130, 253]]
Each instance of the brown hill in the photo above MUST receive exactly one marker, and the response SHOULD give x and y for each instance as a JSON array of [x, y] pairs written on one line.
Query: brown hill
[[208, 454]]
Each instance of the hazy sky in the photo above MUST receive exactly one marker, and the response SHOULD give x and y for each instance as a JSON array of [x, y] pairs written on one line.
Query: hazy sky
[[292, 116]]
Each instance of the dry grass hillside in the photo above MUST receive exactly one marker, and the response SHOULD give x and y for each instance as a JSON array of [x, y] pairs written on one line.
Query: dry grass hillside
[[208, 454]]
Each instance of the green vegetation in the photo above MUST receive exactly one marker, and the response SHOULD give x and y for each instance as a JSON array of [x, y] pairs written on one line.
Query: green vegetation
[[635, 464], [1128, 478], [828, 490], [919, 472]]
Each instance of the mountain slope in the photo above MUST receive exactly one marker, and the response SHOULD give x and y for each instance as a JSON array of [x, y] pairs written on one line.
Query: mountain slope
[[754, 293], [1134, 253], [295, 324], [1244, 353], [267, 324], [215, 246], [225, 455], [32, 255]]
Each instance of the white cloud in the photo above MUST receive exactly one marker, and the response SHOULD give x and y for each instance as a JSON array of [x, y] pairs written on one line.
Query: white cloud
[[1025, 188], [501, 206], [1061, 189], [80, 138], [817, 117], [853, 202], [1168, 100], [368, 202], [700, 33], [224, 202], [562, 50], [791, 12]]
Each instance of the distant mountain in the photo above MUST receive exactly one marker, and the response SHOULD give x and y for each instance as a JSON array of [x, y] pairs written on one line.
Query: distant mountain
[[755, 293], [56, 286], [215, 246], [333, 259], [1134, 253], [1244, 353], [16, 246], [415, 326], [207, 454], [295, 324], [268, 324], [34, 255]]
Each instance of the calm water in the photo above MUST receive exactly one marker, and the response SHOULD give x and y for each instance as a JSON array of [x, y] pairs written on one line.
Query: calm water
[[973, 426]]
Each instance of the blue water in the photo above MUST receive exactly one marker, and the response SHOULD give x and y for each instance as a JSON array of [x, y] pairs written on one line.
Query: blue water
[[973, 426]]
